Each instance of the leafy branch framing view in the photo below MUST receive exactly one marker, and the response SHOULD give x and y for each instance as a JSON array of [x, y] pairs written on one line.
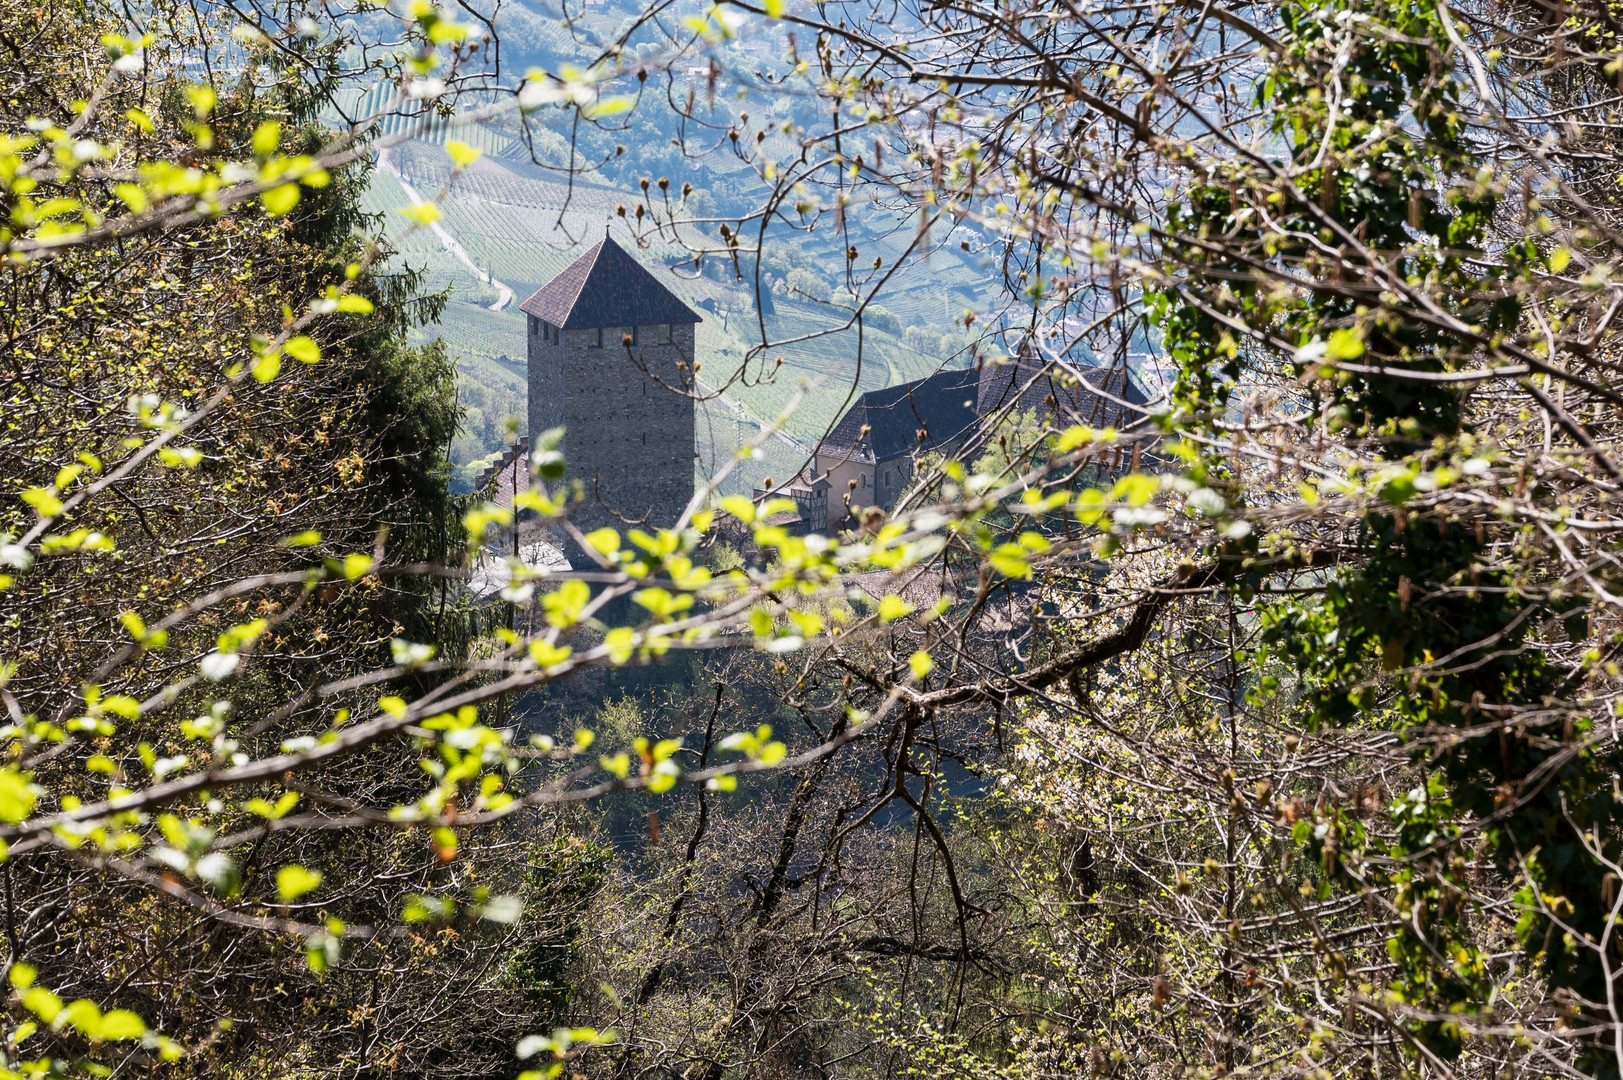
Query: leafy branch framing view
[[1263, 721]]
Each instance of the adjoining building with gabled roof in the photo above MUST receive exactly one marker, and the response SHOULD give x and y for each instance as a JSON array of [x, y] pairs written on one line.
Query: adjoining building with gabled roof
[[1096, 395], [870, 456], [611, 353], [875, 444]]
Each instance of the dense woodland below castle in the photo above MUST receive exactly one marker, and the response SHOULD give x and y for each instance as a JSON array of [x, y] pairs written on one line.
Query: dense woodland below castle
[[1193, 653]]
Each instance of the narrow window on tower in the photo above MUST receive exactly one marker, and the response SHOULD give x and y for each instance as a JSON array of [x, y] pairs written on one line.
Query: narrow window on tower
[[662, 333], [594, 338]]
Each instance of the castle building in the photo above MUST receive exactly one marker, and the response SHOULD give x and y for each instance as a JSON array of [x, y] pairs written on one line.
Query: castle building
[[871, 452], [869, 458], [1099, 395], [610, 352]]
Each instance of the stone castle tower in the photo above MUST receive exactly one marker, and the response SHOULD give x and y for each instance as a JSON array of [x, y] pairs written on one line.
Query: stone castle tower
[[628, 438]]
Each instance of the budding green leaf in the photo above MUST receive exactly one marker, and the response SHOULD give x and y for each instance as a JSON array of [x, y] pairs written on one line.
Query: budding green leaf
[[1010, 560], [120, 1024], [303, 350], [461, 153], [17, 795], [267, 137], [45, 503], [605, 540], [280, 199], [546, 655], [268, 366], [425, 214], [1346, 344], [293, 882], [740, 507]]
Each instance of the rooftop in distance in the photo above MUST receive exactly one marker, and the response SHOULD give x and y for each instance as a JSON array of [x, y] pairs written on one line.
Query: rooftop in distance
[[606, 287]]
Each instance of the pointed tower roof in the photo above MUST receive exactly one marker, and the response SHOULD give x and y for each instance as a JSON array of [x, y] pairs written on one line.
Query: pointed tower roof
[[606, 287]]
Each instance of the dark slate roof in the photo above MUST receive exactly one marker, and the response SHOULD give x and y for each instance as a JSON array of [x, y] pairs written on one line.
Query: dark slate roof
[[606, 287], [942, 406], [1025, 377], [504, 475]]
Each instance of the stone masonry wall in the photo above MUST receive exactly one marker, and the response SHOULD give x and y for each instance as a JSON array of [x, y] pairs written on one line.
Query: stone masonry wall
[[628, 439], [546, 392]]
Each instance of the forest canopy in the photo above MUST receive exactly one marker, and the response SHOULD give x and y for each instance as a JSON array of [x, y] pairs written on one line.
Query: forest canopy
[[1264, 722]]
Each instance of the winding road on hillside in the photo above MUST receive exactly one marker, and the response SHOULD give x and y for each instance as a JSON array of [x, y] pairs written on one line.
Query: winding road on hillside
[[504, 295]]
